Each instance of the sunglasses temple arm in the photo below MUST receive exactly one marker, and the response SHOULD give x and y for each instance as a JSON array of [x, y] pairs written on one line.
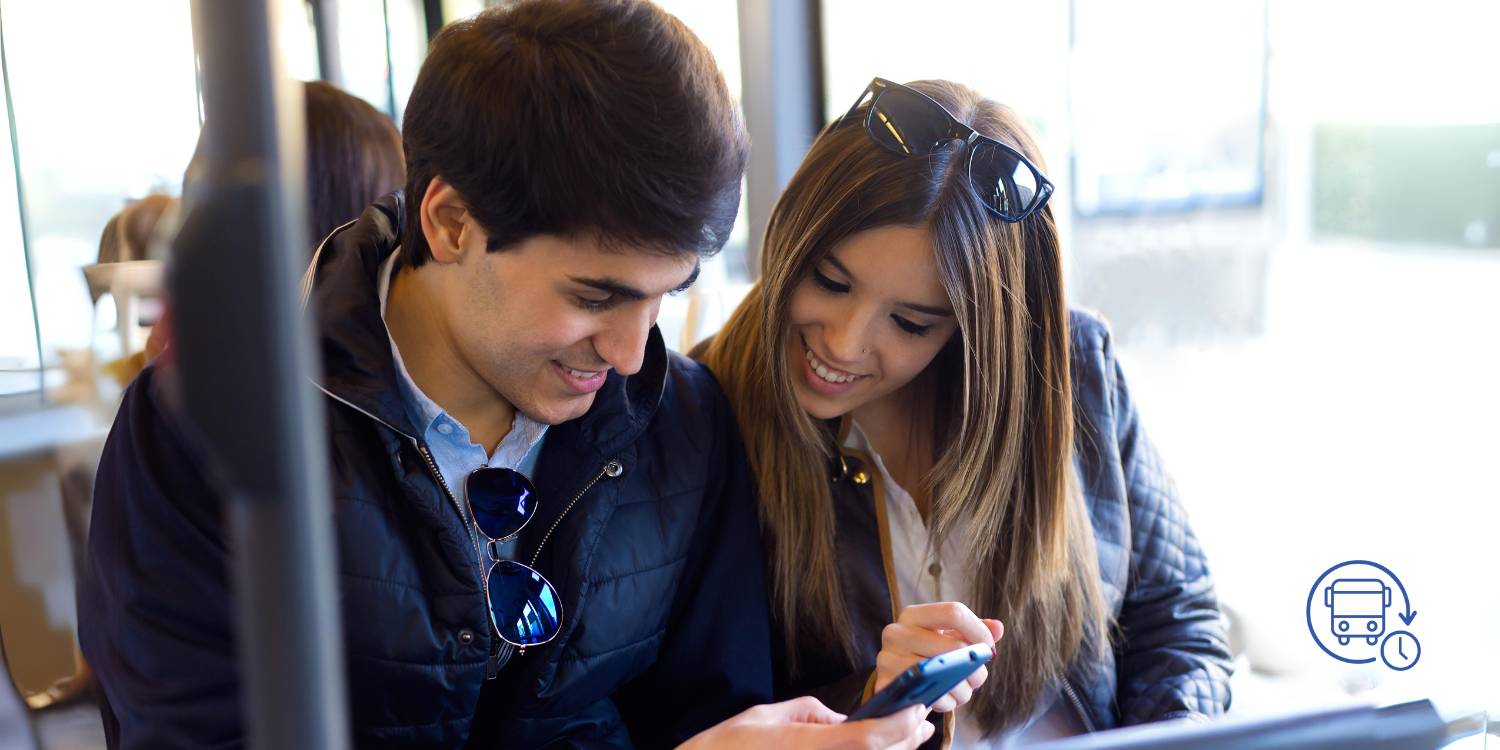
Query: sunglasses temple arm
[[850, 114]]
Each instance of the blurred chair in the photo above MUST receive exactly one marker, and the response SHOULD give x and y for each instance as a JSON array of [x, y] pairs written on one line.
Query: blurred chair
[[129, 269], [129, 283]]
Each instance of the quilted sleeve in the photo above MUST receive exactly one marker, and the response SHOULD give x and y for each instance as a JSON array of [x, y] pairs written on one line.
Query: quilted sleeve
[[1173, 641]]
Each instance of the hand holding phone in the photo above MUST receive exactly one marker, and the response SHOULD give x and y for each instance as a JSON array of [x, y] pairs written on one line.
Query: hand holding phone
[[924, 630], [926, 682]]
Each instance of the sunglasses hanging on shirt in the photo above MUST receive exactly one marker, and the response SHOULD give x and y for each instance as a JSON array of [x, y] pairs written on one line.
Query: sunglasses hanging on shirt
[[524, 607]]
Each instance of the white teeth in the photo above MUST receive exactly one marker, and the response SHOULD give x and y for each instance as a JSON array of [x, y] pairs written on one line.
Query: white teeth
[[824, 372], [580, 374]]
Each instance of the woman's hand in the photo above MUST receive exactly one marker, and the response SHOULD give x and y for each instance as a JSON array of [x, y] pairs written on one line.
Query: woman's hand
[[926, 630], [807, 724]]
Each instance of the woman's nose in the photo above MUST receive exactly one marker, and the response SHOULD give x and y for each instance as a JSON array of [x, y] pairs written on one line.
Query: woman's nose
[[846, 341]]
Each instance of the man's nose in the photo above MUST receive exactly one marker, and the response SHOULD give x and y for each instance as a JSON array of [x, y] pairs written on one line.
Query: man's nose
[[623, 343]]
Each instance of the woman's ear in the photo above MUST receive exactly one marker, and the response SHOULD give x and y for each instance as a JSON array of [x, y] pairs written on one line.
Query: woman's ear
[[443, 214]]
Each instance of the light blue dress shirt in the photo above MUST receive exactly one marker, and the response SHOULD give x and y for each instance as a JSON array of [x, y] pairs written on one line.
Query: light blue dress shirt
[[454, 453]]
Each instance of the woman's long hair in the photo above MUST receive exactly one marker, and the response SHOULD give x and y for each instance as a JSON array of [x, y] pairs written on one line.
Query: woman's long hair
[[1003, 484]]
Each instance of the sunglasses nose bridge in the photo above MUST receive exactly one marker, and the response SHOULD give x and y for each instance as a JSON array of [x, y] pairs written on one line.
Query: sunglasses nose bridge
[[492, 548]]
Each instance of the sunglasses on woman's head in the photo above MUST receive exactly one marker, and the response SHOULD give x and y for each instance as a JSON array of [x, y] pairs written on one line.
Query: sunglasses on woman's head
[[524, 608], [907, 122]]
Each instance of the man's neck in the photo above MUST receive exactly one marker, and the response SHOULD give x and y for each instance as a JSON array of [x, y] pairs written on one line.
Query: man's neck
[[435, 365]]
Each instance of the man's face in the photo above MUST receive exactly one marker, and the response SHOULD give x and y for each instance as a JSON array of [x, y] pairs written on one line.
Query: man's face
[[541, 323]]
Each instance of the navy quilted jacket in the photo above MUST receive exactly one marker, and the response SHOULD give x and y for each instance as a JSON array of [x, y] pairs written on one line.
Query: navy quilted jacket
[[658, 562], [1171, 653]]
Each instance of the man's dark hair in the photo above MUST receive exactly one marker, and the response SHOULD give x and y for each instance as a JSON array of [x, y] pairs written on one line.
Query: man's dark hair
[[569, 116]]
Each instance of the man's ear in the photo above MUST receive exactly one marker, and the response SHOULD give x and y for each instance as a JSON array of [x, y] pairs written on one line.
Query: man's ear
[[442, 215]]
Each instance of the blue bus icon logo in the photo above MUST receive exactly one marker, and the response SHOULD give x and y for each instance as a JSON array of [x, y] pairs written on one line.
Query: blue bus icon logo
[[1358, 608]]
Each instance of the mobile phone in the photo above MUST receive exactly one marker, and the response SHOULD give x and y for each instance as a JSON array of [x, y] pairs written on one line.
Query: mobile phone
[[926, 682]]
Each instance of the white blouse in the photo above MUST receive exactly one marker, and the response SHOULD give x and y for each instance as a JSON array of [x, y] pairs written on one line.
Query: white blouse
[[925, 575]]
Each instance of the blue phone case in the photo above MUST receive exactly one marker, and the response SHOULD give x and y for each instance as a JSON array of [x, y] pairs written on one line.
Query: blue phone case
[[927, 681]]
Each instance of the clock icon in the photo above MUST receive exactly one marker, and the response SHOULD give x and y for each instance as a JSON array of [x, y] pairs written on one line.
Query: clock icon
[[1400, 650]]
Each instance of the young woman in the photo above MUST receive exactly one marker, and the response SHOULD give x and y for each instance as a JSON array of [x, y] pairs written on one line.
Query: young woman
[[937, 438]]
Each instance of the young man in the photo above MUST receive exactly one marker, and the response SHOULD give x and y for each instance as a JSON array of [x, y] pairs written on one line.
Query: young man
[[569, 163]]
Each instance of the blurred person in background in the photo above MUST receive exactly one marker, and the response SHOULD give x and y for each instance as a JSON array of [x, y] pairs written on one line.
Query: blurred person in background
[[941, 444], [129, 234], [353, 157]]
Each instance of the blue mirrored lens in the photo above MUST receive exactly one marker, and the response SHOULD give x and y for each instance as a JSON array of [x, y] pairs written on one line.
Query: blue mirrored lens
[[503, 501], [523, 605]]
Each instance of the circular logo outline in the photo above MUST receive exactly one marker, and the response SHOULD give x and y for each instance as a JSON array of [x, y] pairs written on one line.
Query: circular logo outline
[[1314, 590]]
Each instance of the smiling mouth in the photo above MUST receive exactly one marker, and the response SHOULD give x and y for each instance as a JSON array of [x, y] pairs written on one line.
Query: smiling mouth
[[824, 371], [580, 382], [580, 374]]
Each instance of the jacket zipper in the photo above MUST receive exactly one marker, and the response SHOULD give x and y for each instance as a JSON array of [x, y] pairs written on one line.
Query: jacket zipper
[[422, 449], [611, 469], [438, 475], [1078, 705], [499, 649]]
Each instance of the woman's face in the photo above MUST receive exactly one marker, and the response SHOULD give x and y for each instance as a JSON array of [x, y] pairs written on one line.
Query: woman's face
[[871, 316]]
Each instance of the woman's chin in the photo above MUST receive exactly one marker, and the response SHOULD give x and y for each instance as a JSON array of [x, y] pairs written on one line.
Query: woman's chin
[[819, 406]]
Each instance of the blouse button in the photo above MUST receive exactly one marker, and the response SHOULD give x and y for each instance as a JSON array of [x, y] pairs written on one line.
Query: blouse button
[[936, 569]]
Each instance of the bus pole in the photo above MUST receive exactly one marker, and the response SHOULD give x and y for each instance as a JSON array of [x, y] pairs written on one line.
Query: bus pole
[[245, 356]]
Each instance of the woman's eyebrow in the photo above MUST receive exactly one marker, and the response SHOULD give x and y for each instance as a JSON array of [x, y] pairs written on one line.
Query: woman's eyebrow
[[941, 312], [937, 311]]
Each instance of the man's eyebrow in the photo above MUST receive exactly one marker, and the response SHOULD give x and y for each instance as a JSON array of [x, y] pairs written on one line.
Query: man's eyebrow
[[627, 292], [612, 286], [941, 312], [690, 280]]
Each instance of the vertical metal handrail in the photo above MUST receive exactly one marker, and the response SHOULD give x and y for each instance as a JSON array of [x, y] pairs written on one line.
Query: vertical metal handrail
[[781, 84], [244, 357], [390, 64], [15, 153], [325, 14], [432, 15]]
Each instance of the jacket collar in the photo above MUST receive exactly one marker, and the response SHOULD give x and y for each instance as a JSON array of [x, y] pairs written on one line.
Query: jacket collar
[[358, 369]]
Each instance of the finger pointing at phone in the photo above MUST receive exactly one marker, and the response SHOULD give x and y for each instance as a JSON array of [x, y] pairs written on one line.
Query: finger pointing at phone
[[926, 630]]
